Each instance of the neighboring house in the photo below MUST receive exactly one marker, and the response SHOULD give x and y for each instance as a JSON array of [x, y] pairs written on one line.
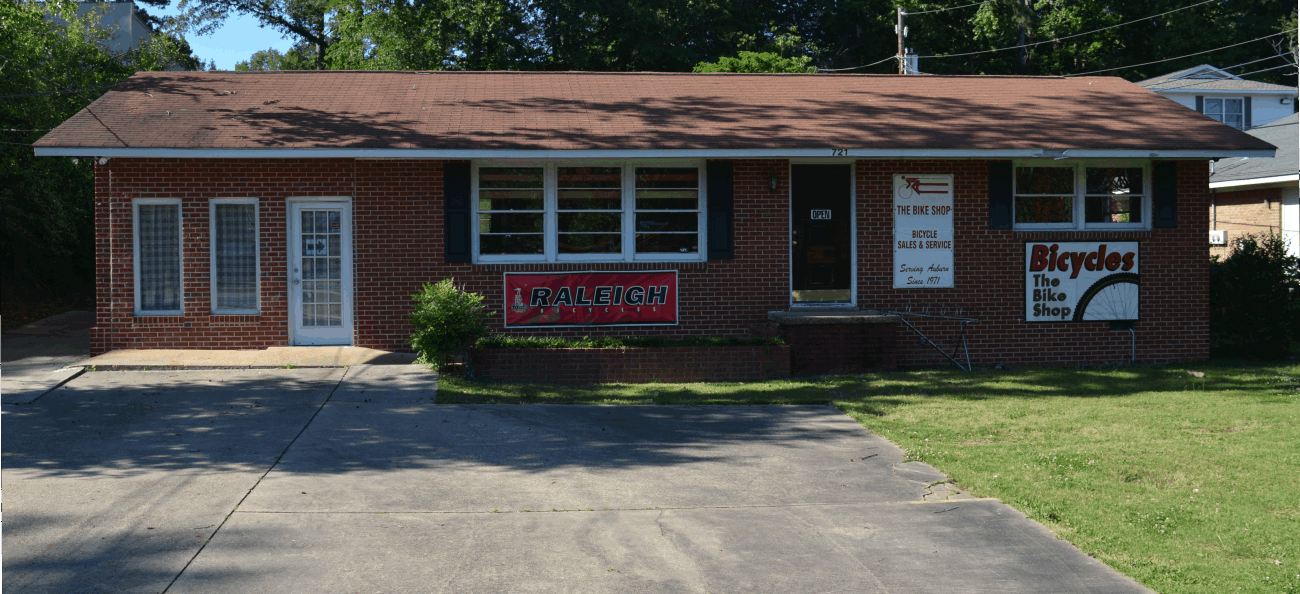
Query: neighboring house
[[1225, 97], [121, 19], [1258, 195]]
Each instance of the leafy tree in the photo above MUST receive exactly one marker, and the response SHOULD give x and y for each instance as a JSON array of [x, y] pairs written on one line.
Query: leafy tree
[[297, 58], [47, 204], [305, 20], [1255, 300], [757, 62]]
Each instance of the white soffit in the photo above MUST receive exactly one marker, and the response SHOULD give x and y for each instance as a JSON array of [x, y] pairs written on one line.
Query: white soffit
[[465, 154]]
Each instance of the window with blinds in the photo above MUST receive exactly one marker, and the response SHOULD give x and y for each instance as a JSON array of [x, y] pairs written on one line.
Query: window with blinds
[[158, 257], [234, 251]]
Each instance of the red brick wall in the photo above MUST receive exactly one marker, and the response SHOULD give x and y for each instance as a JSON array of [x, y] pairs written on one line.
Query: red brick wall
[[1244, 213], [397, 235], [842, 348], [634, 366]]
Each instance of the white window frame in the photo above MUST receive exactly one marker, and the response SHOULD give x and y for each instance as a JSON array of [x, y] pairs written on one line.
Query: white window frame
[[212, 255], [550, 223], [135, 253], [1223, 110], [1080, 195]]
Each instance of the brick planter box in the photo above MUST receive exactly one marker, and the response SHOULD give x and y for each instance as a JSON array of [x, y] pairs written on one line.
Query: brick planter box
[[633, 365]]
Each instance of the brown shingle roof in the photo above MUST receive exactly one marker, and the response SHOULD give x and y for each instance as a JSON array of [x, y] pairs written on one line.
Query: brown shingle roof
[[578, 110]]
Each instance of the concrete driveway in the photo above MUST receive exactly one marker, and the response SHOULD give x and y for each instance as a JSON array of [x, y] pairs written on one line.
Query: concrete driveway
[[334, 480]]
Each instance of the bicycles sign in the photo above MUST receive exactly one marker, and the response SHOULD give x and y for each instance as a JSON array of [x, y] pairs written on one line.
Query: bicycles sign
[[923, 232], [1081, 281]]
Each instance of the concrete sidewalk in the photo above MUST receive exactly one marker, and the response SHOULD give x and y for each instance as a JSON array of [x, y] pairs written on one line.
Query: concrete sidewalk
[[41, 356], [318, 356], [343, 480]]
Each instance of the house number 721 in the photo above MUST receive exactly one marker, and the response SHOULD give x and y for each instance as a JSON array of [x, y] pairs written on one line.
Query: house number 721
[[839, 152]]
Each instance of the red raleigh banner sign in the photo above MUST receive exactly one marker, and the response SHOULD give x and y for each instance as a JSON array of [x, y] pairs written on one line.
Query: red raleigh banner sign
[[591, 298]]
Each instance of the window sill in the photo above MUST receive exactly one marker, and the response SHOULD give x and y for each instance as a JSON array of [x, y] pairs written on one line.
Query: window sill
[[1083, 234]]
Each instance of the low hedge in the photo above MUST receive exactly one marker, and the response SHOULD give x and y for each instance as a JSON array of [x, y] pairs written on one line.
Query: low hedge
[[499, 341]]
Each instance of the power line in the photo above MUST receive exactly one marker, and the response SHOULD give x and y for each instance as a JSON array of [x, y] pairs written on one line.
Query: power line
[[60, 91], [1179, 57], [1037, 43], [857, 67], [947, 9]]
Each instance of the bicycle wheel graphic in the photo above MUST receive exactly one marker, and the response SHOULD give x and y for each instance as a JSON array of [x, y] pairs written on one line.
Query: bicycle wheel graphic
[[1114, 297], [905, 192]]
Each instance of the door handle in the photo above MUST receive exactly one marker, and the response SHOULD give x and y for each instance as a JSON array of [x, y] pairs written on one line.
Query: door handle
[[295, 281]]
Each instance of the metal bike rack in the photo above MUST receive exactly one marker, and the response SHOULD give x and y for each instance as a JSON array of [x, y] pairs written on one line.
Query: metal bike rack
[[958, 341]]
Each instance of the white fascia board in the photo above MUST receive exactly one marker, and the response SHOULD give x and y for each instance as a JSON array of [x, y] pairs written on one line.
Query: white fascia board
[[1255, 181], [1237, 93], [466, 154]]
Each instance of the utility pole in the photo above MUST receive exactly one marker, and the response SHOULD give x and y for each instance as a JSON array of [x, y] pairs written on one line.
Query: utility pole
[[898, 28]]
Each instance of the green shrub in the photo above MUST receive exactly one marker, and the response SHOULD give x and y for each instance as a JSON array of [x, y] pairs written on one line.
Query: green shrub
[[1255, 300], [617, 342], [447, 321]]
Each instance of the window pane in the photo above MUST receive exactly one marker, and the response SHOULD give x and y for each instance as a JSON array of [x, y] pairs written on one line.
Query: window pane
[[1044, 209], [1114, 180], [1113, 209], [234, 254], [676, 243], [667, 177], [667, 199], [1232, 106], [1233, 120], [1214, 108], [590, 243], [590, 199], [160, 257], [510, 200], [1045, 180], [510, 223], [591, 221], [510, 244], [667, 221], [510, 177], [589, 177]]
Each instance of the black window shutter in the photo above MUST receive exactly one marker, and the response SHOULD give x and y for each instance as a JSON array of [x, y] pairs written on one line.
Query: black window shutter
[[1000, 195], [1164, 201], [455, 205], [720, 197], [1247, 110], [1200, 104]]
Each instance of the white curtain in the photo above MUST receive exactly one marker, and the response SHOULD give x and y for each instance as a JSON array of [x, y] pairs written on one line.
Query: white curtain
[[235, 256], [159, 231]]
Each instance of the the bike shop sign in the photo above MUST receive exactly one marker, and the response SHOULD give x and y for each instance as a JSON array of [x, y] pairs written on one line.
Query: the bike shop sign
[[1081, 281], [923, 232]]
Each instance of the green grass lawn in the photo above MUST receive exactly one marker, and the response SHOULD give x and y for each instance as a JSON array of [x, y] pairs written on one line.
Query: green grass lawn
[[1185, 484]]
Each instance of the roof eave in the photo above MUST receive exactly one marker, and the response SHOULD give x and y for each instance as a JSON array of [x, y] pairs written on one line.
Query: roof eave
[[1255, 181], [463, 154]]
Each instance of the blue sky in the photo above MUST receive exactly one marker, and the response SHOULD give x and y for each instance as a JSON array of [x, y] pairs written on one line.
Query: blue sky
[[233, 42]]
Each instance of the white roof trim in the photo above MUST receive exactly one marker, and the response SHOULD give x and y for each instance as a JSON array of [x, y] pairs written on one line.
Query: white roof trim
[[1206, 68], [1238, 92], [1255, 181], [465, 154]]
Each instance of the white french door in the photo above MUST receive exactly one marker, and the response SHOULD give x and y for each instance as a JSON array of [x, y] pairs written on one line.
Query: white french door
[[320, 273]]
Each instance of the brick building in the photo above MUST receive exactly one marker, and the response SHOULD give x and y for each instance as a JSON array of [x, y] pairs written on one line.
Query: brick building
[[248, 210], [1259, 196]]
